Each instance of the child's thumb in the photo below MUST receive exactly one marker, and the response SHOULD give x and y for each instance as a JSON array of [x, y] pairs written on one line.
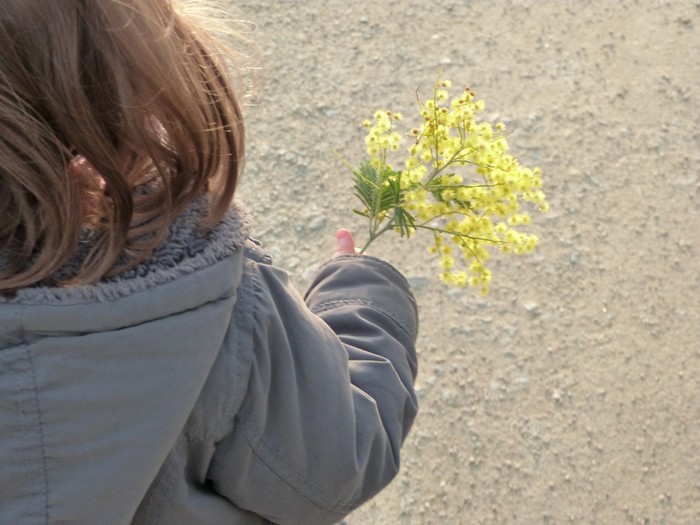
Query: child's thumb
[[344, 243]]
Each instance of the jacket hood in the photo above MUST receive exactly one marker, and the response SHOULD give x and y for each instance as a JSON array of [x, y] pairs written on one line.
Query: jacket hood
[[87, 371]]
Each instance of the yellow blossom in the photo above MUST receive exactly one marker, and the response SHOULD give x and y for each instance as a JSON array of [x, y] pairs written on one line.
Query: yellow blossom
[[458, 181]]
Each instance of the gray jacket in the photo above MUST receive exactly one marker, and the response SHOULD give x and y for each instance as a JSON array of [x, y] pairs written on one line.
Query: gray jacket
[[200, 388]]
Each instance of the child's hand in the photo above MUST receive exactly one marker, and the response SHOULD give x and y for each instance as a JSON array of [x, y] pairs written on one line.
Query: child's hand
[[344, 243]]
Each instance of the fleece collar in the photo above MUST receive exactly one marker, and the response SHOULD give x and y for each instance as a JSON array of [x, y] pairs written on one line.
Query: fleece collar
[[186, 250]]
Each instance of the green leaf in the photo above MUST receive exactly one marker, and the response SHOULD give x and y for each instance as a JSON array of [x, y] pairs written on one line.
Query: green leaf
[[378, 190], [404, 221]]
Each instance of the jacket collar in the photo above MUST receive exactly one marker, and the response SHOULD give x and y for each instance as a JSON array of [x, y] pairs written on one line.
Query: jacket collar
[[186, 250]]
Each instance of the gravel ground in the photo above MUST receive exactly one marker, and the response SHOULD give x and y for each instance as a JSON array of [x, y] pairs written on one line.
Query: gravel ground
[[571, 394]]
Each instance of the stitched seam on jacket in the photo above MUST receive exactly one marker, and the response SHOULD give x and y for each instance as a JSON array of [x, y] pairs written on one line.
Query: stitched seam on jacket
[[281, 467], [246, 320], [163, 484], [311, 493], [243, 320], [369, 259], [336, 303], [253, 435], [39, 416]]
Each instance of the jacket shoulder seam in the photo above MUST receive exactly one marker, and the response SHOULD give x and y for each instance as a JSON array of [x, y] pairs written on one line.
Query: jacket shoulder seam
[[265, 452]]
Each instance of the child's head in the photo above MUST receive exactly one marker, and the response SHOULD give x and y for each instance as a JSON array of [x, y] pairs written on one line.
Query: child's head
[[98, 98]]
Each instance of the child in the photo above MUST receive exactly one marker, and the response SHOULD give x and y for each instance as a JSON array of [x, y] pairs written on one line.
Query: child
[[154, 366]]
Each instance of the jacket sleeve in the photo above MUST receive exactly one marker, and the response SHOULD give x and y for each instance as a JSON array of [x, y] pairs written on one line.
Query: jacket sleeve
[[329, 396]]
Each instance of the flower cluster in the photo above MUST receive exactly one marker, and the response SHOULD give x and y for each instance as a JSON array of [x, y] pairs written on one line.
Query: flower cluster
[[458, 182]]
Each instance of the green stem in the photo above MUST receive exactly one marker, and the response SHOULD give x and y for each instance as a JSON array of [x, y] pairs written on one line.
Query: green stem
[[452, 160], [373, 234], [465, 235]]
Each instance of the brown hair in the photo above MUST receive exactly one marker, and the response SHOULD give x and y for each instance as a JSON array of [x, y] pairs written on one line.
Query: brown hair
[[114, 116]]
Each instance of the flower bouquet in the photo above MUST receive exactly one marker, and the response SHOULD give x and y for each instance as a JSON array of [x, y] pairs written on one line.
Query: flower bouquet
[[458, 182]]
